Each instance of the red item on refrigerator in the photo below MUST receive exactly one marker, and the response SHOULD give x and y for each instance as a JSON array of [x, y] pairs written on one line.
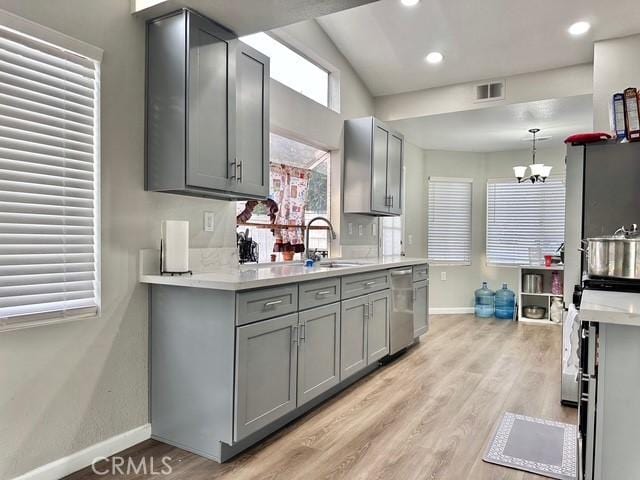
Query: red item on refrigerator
[[589, 137]]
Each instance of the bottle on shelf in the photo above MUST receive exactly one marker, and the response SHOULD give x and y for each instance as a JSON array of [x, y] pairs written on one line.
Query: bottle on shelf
[[485, 302], [505, 302], [555, 311], [556, 284]]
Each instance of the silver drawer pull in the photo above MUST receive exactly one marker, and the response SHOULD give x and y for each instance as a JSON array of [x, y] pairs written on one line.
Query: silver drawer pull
[[323, 293], [272, 303], [368, 284]]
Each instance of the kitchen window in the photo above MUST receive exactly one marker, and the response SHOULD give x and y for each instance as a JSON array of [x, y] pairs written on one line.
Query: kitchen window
[[523, 219], [449, 221], [299, 185], [49, 167], [292, 69], [391, 236]]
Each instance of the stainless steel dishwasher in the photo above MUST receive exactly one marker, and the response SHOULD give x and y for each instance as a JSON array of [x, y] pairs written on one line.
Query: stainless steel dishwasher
[[401, 322]]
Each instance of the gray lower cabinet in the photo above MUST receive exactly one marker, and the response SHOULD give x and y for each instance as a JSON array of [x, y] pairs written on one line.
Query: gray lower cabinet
[[353, 336], [318, 351], [378, 326], [266, 373], [364, 332], [420, 308]]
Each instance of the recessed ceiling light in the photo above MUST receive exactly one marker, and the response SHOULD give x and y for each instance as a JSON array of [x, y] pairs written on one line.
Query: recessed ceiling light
[[409, 3], [579, 28], [434, 57]]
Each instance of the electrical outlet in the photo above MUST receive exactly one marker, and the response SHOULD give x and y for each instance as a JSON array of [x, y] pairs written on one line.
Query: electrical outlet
[[443, 276], [374, 229], [209, 221], [350, 228], [410, 239], [360, 230]]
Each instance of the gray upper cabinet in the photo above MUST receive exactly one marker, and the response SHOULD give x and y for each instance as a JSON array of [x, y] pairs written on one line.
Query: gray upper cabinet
[[318, 351], [266, 373], [207, 118], [378, 326], [374, 156]]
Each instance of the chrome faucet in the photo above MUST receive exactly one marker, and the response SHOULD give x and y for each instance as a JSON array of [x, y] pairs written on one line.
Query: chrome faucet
[[314, 256]]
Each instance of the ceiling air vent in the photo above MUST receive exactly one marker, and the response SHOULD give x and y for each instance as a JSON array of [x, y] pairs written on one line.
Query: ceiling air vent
[[488, 92]]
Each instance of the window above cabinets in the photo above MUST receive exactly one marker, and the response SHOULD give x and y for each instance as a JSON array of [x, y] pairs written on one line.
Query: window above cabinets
[[293, 69]]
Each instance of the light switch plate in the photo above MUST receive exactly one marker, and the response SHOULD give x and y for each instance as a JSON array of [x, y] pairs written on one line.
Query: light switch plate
[[209, 221], [360, 230], [350, 228], [443, 276], [374, 229], [410, 239]]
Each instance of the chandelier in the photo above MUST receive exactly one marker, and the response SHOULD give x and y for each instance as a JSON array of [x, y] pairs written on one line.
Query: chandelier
[[539, 171]]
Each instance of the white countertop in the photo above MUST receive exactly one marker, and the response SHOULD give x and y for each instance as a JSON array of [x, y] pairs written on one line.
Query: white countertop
[[620, 308], [244, 277]]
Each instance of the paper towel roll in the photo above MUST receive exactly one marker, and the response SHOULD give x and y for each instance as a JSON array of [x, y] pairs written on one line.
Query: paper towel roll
[[175, 246]]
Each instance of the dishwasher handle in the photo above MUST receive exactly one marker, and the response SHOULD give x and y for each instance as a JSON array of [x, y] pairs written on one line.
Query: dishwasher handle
[[398, 273]]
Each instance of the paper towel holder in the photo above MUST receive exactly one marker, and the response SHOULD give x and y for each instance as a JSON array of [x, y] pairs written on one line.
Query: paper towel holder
[[163, 271]]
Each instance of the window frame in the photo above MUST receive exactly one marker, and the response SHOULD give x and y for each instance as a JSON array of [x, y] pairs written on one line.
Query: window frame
[[333, 74], [470, 181], [487, 262], [58, 40]]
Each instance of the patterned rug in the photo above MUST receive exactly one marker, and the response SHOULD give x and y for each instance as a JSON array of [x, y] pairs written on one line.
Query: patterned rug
[[535, 445]]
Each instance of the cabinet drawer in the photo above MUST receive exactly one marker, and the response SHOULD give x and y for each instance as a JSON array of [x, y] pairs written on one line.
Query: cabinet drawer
[[266, 303], [361, 284], [420, 272], [319, 292]]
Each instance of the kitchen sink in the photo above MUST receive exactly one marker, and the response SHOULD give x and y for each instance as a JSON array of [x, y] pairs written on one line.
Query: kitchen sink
[[339, 264]]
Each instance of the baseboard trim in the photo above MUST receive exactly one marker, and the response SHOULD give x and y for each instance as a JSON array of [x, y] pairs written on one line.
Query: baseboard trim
[[85, 457], [450, 310]]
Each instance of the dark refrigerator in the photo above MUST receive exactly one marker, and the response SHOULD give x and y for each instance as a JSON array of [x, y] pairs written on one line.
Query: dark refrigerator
[[603, 193]]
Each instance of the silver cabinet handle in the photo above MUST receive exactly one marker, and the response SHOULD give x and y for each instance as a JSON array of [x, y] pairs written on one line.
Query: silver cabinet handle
[[239, 167], [368, 284], [303, 332], [388, 200], [391, 201], [294, 336], [366, 311], [323, 293], [272, 303], [234, 170]]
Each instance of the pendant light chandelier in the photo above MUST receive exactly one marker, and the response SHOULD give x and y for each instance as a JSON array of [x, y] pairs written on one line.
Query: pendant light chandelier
[[539, 171]]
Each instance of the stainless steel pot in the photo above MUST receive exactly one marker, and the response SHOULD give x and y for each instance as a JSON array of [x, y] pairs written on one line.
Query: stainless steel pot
[[532, 283], [617, 256]]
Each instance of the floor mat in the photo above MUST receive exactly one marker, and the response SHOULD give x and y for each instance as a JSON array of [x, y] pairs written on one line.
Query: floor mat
[[535, 445]]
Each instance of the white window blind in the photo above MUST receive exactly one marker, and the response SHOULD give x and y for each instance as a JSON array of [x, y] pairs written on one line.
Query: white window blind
[[391, 236], [449, 225], [523, 216], [48, 181]]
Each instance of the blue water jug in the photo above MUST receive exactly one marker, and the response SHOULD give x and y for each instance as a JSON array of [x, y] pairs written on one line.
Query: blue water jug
[[505, 303], [485, 301]]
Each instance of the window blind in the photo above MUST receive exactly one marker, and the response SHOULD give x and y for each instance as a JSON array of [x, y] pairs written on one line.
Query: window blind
[[48, 181], [449, 225], [523, 216]]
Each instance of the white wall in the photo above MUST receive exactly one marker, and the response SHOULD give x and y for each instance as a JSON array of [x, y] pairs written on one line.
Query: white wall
[[457, 290], [415, 210], [528, 87], [65, 387], [615, 67]]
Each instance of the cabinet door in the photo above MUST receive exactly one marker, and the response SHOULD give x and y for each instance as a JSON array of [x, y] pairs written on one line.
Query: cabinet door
[[420, 308], [378, 326], [394, 173], [251, 158], [353, 336], [379, 200], [266, 373], [209, 105], [318, 351]]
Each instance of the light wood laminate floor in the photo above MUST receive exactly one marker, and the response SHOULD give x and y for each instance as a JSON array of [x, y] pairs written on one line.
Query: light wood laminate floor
[[427, 415]]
